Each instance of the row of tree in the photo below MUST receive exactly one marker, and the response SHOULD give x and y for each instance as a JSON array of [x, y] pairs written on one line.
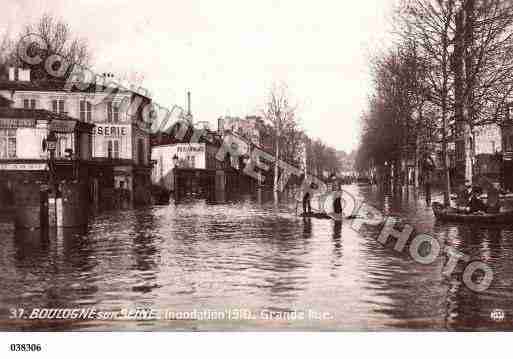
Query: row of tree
[[449, 72]]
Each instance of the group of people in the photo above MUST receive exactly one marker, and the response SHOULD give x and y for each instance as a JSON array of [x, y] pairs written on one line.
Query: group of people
[[307, 197], [470, 200]]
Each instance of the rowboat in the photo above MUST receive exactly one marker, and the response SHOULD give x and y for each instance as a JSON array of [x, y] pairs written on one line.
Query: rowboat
[[317, 215], [451, 214]]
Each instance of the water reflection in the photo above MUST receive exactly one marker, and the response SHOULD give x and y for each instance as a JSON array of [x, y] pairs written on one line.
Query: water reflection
[[245, 252]]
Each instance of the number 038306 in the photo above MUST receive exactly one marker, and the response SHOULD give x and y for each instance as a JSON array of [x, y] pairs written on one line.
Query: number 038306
[[25, 347]]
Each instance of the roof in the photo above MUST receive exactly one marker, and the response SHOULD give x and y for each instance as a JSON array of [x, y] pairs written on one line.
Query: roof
[[57, 86], [4, 102]]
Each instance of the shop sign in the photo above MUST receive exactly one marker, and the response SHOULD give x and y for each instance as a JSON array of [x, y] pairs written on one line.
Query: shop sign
[[111, 131], [65, 126], [194, 148], [23, 166], [15, 123]]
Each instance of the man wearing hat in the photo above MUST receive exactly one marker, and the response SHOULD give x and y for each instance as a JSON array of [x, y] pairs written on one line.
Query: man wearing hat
[[464, 195]]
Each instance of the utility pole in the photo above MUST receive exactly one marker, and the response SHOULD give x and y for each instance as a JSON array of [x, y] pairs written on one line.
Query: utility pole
[[51, 143]]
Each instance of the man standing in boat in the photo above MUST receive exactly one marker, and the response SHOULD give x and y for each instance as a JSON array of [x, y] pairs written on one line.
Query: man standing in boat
[[429, 167], [307, 206]]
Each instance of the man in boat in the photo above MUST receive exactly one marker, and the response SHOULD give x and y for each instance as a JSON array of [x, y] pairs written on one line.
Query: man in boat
[[493, 201], [429, 167], [476, 204], [493, 194], [463, 200], [307, 207]]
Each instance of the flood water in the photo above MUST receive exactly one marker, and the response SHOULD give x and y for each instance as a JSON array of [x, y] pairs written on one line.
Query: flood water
[[262, 259]]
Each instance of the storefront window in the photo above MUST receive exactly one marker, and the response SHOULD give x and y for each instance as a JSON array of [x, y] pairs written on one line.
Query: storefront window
[[7, 143], [191, 161]]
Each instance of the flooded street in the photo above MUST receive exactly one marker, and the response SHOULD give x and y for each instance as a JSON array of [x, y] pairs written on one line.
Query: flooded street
[[253, 256]]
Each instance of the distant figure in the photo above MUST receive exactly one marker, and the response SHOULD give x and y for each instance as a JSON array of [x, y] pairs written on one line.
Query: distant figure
[[427, 189], [429, 166], [493, 202], [307, 207], [337, 205], [464, 195]]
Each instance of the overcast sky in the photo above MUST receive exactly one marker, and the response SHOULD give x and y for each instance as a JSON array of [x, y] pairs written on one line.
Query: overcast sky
[[229, 53]]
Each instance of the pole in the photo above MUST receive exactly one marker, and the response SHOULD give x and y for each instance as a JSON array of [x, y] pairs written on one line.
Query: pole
[[53, 192]]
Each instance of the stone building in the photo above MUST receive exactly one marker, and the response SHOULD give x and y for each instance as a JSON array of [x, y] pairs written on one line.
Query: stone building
[[121, 151], [25, 178]]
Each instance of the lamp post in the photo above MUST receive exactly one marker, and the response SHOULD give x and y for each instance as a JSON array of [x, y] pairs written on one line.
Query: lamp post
[[51, 146], [175, 166]]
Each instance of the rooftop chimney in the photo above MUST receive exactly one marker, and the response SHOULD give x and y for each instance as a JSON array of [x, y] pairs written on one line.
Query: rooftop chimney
[[188, 103], [12, 73], [18, 74], [24, 75]]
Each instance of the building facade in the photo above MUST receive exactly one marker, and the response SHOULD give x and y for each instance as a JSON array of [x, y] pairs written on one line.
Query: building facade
[[120, 145], [23, 154], [249, 127]]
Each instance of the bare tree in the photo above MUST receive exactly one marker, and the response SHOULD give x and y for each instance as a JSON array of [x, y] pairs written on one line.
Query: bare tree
[[279, 113], [430, 24], [59, 39], [6, 54]]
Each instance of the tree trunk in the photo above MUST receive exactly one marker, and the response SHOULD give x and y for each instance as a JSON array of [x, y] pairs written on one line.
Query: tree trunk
[[416, 164], [276, 168], [445, 159], [467, 71]]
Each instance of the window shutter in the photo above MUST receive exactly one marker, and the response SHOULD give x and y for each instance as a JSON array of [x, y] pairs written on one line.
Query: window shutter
[[89, 112], [54, 106], [109, 111], [115, 110], [82, 111]]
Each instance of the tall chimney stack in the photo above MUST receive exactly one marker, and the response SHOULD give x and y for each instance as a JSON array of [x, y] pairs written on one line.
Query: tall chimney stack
[[188, 102]]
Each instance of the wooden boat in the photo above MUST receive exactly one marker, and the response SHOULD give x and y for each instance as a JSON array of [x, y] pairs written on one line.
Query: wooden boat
[[321, 215], [455, 215], [317, 215]]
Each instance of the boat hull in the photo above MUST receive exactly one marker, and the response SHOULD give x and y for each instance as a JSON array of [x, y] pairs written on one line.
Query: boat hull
[[454, 215]]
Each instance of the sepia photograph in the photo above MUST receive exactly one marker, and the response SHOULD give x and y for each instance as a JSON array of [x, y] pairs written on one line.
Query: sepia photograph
[[271, 166]]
